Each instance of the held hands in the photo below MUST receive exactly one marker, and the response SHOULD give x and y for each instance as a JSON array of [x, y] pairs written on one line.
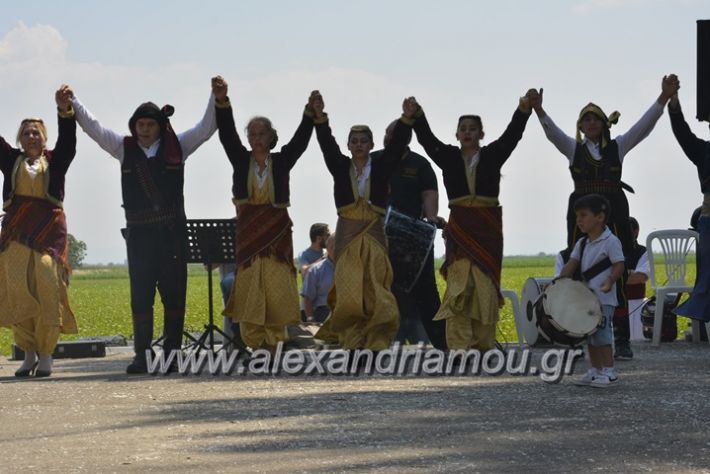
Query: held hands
[[438, 221], [606, 286], [535, 99], [669, 87], [410, 107], [316, 104], [219, 89], [63, 97]]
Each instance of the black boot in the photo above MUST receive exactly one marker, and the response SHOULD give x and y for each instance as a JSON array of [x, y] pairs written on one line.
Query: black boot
[[142, 339], [173, 325]]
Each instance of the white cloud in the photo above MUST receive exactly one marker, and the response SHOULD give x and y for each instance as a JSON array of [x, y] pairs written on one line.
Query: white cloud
[[25, 44]]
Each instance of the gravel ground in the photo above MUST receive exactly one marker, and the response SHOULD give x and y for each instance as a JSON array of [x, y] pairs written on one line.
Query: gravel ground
[[91, 417]]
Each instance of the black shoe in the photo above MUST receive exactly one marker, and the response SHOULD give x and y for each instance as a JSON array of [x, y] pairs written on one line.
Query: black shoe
[[623, 351], [26, 372], [138, 366], [43, 373]]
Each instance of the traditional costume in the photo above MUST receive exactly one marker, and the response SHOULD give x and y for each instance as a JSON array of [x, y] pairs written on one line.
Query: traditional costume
[[474, 233], [596, 169], [152, 188], [264, 298], [364, 310], [698, 151], [34, 267]]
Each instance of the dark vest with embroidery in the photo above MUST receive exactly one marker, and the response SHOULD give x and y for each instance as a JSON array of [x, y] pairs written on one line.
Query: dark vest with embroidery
[[596, 176], [152, 188]]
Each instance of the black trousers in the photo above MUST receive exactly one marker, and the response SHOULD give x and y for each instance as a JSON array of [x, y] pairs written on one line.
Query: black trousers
[[157, 260], [618, 223], [420, 306]]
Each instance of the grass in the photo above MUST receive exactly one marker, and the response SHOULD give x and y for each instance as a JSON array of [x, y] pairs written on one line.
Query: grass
[[100, 299]]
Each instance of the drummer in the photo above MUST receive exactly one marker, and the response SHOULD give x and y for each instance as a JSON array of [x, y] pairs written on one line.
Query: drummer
[[414, 192], [598, 261]]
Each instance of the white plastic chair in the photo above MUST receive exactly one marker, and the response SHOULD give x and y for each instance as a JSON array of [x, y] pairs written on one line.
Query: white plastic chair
[[675, 244], [513, 297]]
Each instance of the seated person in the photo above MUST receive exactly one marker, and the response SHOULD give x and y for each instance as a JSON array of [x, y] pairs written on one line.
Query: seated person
[[317, 284], [319, 234]]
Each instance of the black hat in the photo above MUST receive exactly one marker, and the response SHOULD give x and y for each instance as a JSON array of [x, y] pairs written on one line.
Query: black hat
[[151, 111]]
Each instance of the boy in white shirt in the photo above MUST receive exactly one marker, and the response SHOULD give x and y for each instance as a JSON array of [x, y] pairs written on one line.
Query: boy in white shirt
[[600, 245]]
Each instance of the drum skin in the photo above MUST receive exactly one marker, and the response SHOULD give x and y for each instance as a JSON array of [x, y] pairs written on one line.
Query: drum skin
[[532, 289], [567, 312]]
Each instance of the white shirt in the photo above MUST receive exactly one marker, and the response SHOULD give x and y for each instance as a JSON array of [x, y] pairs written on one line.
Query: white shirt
[[643, 265], [626, 142], [474, 162], [190, 140], [34, 168], [363, 177], [559, 264], [606, 245], [261, 176]]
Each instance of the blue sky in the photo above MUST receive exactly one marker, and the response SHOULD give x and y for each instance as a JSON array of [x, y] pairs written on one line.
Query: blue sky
[[455, 56]]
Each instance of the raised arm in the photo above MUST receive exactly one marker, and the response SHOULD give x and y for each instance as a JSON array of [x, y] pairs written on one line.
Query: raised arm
[[563, 142], [293, 150], [642, 128], [332, 155], [110, 141], [8, 154], [438, 151], [692, 146], [503, 147], [65, 148], [228, 136], [190, 140]]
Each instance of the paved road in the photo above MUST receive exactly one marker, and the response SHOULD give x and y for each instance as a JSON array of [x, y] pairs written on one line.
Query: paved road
[[90, 417]]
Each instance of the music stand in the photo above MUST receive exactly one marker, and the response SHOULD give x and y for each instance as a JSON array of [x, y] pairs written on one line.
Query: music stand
[[211, 241]]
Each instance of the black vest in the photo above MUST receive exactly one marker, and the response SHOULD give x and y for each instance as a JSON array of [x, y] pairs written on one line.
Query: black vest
[[152, 188], [596, 176]]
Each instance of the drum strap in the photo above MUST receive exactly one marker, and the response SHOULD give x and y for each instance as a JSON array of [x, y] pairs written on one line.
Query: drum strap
[[595, 269]]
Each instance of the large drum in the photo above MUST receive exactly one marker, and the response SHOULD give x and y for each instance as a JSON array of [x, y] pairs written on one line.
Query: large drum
[[532, 289], [567, 312], [410, 240]]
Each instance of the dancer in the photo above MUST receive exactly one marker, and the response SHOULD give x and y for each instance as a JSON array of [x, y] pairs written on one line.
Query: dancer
[[698, 151], [595, 161], [264, 297], [474, 233], [152, 162], [364, 310], [34, 266]]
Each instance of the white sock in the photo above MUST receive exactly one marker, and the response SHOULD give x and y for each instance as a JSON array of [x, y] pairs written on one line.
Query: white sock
[[29, 362], [45, 362]]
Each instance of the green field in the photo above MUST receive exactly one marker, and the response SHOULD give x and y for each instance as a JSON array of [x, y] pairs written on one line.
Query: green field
[[100, 299]]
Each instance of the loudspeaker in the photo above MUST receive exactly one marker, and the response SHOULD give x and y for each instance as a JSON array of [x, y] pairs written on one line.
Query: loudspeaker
[[70, 350], [703, 70]]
